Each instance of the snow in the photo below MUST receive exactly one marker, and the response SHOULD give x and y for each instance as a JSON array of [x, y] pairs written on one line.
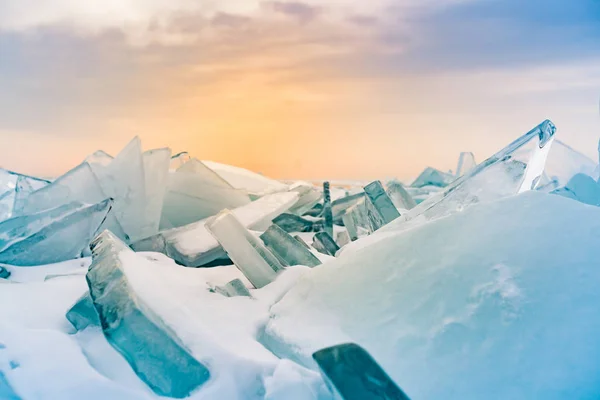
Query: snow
[[488, 303]]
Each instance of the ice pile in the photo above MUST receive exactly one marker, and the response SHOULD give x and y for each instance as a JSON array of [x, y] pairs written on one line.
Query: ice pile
[[210, 281]]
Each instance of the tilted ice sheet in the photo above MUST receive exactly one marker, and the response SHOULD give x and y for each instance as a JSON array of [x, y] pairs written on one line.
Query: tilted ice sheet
[[497, 302], [156, 171], [241, 178], [562, 164]]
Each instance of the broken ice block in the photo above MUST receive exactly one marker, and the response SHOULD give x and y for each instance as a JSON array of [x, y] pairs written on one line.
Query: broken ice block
[[293, 223], [514, 169], [354, 375], [339, 206], [309, 197], [250, 182], [99, 157], [4, 273], [196, 192], [325, 244], [327, 213], [246, 251], [25, 186], [156, 171], [350, 225], [400, 196], [288, 248], [83, 313], [380, 208], [152, 349], [342, 238], [234, 288], [78, 185], [466, 162], [433, 177], [562, 164], [301, 241], [14, 188], [43, 240], [123, 180], [178, 160], [582, 188]]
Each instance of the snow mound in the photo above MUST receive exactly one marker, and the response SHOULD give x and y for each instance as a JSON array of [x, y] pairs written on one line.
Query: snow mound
[[500, 301]]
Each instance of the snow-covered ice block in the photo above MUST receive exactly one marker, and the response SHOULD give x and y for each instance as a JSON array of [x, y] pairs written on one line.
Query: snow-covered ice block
[[156, 173], [433, 177], [240, 178], [400, 196], [51, 236], [354, 375], [123, 180], [286, 247], [325, 244], [195, 192], [380, 208], [582, 188], [466, 162], [192, 245], [499, 301], [77, 185], [153, 350], [514, 169], [83, 313], [246, 251], [234, 288]]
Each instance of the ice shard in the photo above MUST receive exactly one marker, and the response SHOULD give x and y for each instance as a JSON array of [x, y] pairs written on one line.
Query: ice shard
[[433, 177], [196, 192], [246, 251], [14, 188], [99, 157], [514, 169], [339, 206], [342, 238], [83, 314], [354, 375], [78, 185], [293, 223], [151, 348], [61, 239], [123, 180], [400, 196], [192, 245], [234, 288], [582, 188], [156, 173], [380, 208], [179, 160], [562, 164], [325, 244], [327, 212], [301, 241], [350, 224], [466, 162], [288, 248], [24, 187], [309, 197], [250, 182]]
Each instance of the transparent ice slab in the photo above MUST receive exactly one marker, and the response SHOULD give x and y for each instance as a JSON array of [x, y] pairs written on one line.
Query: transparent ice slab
[[83, 313], [339, 206], [562, 164], [234, 288], [433, 177], [400, 196], [196, 192], [309, 197], [466, 162], [380, 208], [293, 223], [156, 174], [289, 249], [178, 160], [325, 244], [327, 212], [246, 251], [350, 224], [14, 188], [151, 348], [514, 169], [61, 239]]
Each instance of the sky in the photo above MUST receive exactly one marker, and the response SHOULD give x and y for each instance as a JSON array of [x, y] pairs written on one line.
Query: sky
[[308, 89]]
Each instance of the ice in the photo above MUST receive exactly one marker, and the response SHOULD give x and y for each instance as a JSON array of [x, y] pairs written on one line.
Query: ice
[[246, 251], [327, 213], [289, 249], [582, 188], [293, 223], [52, 236], [514, 169], [6, 391], [196, 192], [178, 160], [350, 224], [4, 273], [255, 184], [83, 313], [340, 205], [562, 164], [325, 244], [123, 180], [355, 375], [471, 300], [77, 185], [192, 245], [380, 208], [99, 157], [400, 196], [14, 188], [433, 177], [309, 197], [154, 352], [466, 162], [156, 173], [234, 288]]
